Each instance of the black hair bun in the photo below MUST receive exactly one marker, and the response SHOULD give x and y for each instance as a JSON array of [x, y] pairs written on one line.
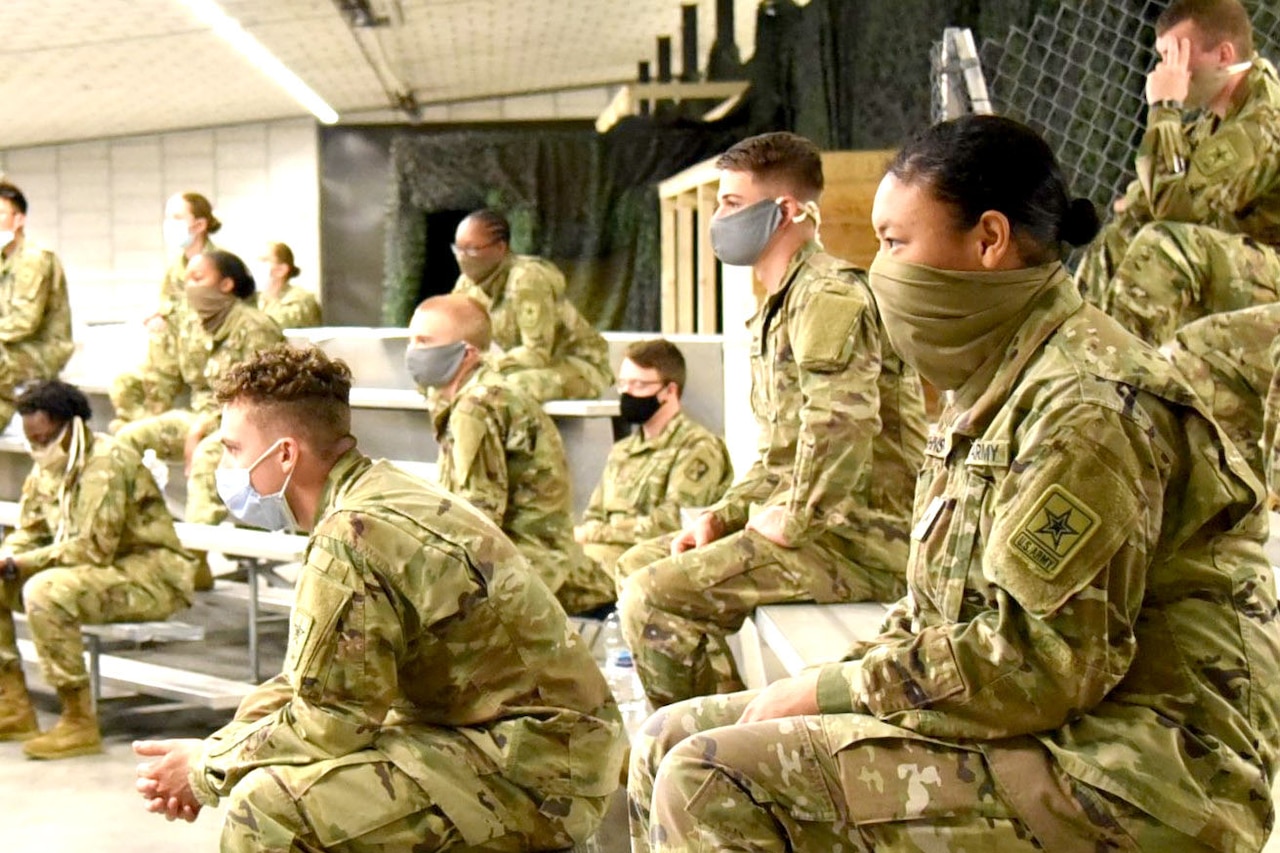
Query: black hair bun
[[1081, 223]]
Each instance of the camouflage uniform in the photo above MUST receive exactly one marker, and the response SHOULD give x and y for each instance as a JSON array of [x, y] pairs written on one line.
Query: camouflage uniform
[[1227, 360], [35, 320], [646, 483], [551, 351], [1202, 224], [503, 454], [293, 308], [1087, 658], [117, 560], [841, 432], [433, 694], [1271, 429], [173, 309], [201, 357]]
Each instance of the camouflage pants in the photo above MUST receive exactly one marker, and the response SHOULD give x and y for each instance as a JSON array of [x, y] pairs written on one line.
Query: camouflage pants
[[587, 585], [129, 393], [677, 612], [571, 379], [166, 434], [59, 600], [699, 782], [365, 802], [1227, 359], [1171, 273], [21, 363]]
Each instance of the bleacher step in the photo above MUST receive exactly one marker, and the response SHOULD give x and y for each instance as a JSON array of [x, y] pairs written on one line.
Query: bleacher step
[[166, 682]]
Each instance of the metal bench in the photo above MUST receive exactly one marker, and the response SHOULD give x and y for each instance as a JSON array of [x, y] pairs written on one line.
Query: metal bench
[[259, 547], [166, 682], [98, 663]]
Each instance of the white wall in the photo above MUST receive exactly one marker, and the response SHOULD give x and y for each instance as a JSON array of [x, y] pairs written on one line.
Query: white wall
[[99, 204]]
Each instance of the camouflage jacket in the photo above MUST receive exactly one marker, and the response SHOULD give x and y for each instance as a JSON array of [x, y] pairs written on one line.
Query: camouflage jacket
[[1270, 427], [173, 287], [1219, 172], [1086, 569], [646, 483], [533, 321], [35, 312], [293, 308], [413, 614], [203, 356], [841, 417], [114, 511], [1227, 359], [501, 452]]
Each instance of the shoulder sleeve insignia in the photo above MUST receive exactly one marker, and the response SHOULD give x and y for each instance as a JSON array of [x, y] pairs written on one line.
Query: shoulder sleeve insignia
[[1056, 528]]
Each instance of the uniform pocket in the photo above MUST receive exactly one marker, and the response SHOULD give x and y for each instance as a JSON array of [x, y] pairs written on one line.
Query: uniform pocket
[[320, 603]]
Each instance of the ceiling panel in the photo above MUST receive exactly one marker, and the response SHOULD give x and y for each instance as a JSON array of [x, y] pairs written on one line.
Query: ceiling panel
[[84, 69]]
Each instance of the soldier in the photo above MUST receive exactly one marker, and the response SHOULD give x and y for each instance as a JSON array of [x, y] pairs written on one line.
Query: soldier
[[1088, 656], [1227, 359], [823, 513], [550, 351], [433, 694], [290, 306], [35, 315], [1197, 232], [220, 329], [1271, 429], [669, 463], [94, 544], [498, 449]]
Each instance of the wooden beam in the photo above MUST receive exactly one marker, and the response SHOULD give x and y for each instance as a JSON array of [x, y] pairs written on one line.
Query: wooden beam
[[708, 313], [667, 214]]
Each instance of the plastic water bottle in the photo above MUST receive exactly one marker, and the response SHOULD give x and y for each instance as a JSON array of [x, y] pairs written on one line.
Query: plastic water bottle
[[159, 470], [621, 676]]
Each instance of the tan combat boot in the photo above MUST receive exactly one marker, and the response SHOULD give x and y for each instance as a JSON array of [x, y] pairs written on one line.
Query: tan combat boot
[[204, 575], [17, 717], [75, 733]]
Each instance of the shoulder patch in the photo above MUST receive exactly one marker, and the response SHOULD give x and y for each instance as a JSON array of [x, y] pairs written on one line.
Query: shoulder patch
[[1221, 152], [1056, 528]]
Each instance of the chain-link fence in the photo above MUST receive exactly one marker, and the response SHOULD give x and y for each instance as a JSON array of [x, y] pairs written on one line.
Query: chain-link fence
[[1078, 76]]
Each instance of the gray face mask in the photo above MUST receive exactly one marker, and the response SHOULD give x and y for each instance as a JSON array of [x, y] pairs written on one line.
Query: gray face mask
[[740, 238], [435, 367]]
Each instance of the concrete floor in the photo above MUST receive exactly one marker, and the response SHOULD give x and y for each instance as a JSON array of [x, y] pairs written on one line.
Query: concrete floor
[[89, 803]]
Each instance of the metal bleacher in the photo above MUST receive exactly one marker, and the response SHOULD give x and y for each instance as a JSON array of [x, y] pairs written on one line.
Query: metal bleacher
[[388, 416]]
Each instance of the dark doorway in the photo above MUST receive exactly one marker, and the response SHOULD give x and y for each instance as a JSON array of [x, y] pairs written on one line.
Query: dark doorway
[[440, 268]]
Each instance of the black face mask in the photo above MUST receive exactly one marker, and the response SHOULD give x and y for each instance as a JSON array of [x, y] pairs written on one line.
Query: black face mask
[[637, 410]]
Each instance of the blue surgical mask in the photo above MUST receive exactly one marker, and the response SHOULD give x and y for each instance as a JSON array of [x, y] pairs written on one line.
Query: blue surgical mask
[[246, 504], [177, 234]]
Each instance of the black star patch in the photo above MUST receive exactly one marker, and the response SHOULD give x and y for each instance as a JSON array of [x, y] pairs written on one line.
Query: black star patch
[[1055, 529]]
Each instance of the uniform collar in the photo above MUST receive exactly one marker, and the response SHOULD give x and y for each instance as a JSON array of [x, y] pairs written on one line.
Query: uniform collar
[[1048, 312], [349, 467], [492, 283], [637, 443], [1261, 84], [483, 373]]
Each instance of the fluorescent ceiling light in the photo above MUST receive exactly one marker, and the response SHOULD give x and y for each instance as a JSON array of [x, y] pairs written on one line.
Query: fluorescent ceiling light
[[229, 30]]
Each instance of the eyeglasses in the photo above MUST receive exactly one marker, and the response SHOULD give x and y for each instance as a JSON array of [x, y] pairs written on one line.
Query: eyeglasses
[[471, 251], [626, 386]]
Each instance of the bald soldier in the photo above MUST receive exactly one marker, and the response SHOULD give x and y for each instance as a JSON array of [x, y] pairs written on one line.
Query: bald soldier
[[433, 695], [1198, 231], [94, 544], [550, 351], [669, 463], [1228, 359], [35, 314], [498, 449], [823, 514]]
